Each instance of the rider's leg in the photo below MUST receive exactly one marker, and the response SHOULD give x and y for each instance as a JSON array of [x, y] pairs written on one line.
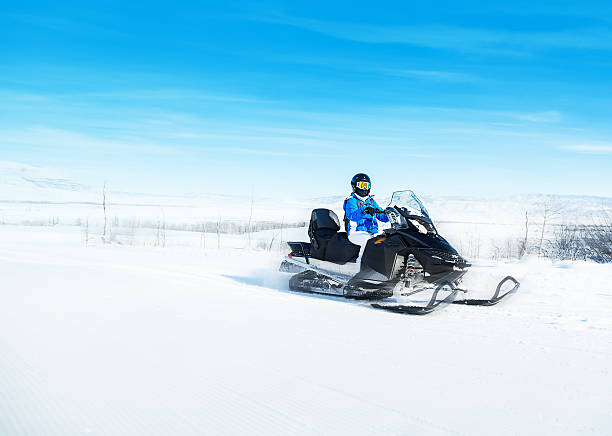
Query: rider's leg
[[361, 239]]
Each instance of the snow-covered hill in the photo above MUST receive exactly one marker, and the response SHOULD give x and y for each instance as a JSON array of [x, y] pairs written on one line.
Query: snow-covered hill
[[477, 227], [35, 194], [30, 194]]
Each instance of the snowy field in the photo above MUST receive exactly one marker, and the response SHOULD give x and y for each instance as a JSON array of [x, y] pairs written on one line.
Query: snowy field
[[133, 339], [183, 325]]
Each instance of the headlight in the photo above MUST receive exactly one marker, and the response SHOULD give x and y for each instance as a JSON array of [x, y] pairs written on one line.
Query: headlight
[[395, 218]]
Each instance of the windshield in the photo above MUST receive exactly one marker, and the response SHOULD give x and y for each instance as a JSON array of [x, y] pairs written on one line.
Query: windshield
[[408, 200], [405, 210]]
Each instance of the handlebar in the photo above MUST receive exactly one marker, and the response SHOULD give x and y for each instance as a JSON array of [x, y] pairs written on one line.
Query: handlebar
[[375, 211]]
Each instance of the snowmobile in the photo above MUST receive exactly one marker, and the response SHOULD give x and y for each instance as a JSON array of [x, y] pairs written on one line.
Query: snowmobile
[[409, 258]]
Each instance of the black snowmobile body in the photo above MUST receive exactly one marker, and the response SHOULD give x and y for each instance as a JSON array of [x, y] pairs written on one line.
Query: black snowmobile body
[[407, 259], [404, 252]]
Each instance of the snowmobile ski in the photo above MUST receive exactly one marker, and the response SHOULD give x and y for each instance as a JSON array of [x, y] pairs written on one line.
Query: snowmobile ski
[[433, 304], [497, 297]]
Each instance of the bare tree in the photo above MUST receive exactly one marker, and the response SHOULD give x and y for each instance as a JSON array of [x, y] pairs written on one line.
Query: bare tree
[[550, 211], [86, 232], [157, 234], [203, 236], [104, 209], [599, 239], [271, 242], [473, 246], [510, 248], [523, 243], [219, 232], [568, 243], [280, 243], [132, 233], [160, 238], [163, 228], [497, 251], [250, 218]]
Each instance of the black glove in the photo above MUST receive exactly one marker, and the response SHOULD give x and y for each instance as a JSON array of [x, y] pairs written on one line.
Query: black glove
[[369, 210]]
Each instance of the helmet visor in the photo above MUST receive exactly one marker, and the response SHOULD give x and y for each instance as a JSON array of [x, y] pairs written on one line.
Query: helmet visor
[[363, 185]]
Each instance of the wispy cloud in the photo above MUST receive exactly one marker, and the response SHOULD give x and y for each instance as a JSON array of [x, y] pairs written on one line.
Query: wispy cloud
[[53, 138], [535, 117], [373, 66], [481, 115], [590, 148], [455, 37], [170, 94], [28, 97], [434, 75], [62, 24]]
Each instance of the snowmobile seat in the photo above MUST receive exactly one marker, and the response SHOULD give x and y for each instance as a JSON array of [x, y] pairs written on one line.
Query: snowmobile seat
[[299, 249], [341, 250], [326, 242]]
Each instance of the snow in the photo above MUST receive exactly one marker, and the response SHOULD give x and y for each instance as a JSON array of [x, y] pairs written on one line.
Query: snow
[[134, 339], [170, 331]]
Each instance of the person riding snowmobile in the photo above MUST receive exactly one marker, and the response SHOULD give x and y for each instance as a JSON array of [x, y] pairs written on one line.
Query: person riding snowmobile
[[360, 217]]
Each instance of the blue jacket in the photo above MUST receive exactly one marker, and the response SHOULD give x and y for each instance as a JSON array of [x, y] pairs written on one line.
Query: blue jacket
[[358, 219]]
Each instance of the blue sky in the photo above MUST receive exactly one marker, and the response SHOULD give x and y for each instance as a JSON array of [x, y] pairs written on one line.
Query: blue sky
[[292, 99]]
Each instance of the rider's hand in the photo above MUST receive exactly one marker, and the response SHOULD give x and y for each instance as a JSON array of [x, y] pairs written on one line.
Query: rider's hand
[[369, 210]]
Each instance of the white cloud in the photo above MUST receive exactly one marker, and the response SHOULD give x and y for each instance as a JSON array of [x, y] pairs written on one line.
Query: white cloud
[[45, 137], [455, 37], [590, 148], [169, 94], [536, 117], [440, 76]]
